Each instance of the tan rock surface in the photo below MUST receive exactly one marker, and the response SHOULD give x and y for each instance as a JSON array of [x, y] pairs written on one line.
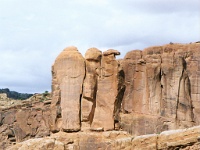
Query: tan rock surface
[[22, 120], [107, 92], [160, 93], [161, 87], [115, 140], [68, 74], [181, 139], [134, 99], [88, 101]]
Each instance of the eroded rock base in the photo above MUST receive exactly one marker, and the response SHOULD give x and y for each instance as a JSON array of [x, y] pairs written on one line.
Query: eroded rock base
[[184, 139]]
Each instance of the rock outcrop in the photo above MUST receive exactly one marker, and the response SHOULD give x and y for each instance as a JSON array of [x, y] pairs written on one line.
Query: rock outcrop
[[22, 120], [108, 89], [68, 74], [159, 85], [185, 139], [93, 94], [90, 85], [147, 92], [161, 89]]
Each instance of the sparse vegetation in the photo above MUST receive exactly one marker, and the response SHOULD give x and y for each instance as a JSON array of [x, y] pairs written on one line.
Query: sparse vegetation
[[45, 94], [15, 95]]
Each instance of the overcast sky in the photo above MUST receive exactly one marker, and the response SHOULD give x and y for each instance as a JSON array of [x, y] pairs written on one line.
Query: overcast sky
[[34, 32]]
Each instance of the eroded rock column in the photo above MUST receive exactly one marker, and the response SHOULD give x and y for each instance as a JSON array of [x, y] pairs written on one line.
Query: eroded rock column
[[68, 74], [88, 101], [107, 92]]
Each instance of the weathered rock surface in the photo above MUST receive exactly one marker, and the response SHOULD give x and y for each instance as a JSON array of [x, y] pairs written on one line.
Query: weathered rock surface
[[88, 101], [107, 92], [161, 89], [68, 74], [86, 92], [147, 92], [184, 139], [22, 120]]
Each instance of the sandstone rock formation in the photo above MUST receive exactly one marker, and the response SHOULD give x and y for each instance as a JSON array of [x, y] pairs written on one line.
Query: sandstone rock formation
[[147, 92], [22, 120], [94, 94], [68, 74], [161, 93], [88, 101], [159, 87], [107, 93], [184, 139]]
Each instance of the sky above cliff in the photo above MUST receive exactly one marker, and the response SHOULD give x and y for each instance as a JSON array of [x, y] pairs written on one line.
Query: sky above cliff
[[34, 32]]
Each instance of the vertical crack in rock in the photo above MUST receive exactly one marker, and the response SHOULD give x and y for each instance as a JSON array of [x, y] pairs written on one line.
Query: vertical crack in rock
[[168, 101], [118, 101], [178, 95], [184, 113], [169, 86], [193, 70]]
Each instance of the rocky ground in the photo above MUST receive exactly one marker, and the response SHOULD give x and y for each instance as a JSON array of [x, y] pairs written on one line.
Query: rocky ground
[[23, 119], [6, 103], [184, 139]]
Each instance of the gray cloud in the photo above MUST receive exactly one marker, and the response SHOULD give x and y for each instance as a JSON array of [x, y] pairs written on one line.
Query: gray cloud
[[33, 33]]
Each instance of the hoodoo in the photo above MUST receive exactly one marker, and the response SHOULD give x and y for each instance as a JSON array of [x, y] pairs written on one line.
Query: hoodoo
[[68, 73]]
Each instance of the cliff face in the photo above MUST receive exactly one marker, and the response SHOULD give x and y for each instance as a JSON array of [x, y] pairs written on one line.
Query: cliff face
[[147, 92], [162, 90]]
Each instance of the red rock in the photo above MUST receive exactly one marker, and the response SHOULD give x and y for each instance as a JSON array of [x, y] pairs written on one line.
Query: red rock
[[134, 99], [160, 89], [160, 92], [107, 92], [68, 74], [88, 101]]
